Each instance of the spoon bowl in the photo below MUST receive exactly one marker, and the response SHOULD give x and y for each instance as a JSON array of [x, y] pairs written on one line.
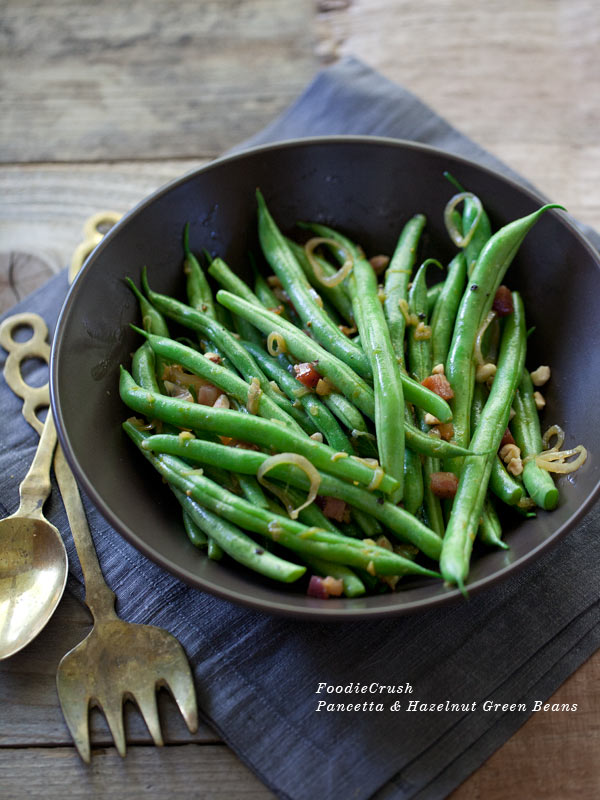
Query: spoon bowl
[[33, 571], [33, 558]]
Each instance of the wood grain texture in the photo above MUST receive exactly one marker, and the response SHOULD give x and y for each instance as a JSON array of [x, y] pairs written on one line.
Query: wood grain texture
[[146, 80], [186, 772], [521, 79], [43, 207]]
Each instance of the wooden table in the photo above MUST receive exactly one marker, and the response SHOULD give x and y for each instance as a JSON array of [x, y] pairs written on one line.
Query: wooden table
[[103, 102]]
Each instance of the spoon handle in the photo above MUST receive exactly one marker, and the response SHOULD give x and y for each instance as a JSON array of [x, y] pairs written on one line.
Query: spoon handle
[[99, 598], [35, 487]]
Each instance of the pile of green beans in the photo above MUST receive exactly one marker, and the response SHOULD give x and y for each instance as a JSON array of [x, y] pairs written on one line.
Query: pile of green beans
[[356, 391]]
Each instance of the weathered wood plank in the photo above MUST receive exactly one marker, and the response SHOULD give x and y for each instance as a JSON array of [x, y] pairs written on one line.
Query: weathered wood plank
[[522, 79], [146, 79], [190, 772], [43, 207], [29, 709]]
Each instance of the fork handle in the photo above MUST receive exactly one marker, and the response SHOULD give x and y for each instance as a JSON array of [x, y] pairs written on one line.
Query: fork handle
[[99, 598]]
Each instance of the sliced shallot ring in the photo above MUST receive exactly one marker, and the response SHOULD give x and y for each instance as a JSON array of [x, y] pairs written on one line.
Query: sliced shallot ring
[[479, 360], [343, 271], [555, 460], [298, 461], [554, 430], [456, 235], [276, 344]]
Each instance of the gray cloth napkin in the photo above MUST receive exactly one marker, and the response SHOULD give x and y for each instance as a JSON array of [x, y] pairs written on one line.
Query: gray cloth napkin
[[258, 676]]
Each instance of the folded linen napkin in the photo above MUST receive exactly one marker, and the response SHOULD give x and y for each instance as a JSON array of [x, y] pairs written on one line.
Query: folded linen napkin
[[261, 679]]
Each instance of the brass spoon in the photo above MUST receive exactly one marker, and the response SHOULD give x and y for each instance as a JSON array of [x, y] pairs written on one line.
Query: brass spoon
[[33, 559]]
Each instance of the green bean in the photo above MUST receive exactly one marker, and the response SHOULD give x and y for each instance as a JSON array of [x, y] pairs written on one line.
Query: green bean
[[430, 445], [369, 526], [143, 368], [226, 380], [310, 515], [196, 536], [397, 278], [494, 260], [525, 427], [413, 481], [289, 533], [337, 296], [197, 288], [425, 399], [353, 586], [222, 273], [394, 518], [265, 294], [502, 483], [481, 234], [420, 359], [420, 349], [269, 300], [284, 264], [246, 331], [305, 349], [446, 307], [249, 428], [468, 502], [252, 490], [237, 544], [214, 550], [323, 419], [433, 512], [413, 391], [152, 320], [432, 296], [362, 439], [472, 216], [490, 529], [223, 317], [377, 344], [223, 339], [345, 411]]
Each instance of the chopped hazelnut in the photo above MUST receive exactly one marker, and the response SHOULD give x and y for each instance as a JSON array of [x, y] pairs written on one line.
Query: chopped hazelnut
[[540, 376], [539, 400], [222, 401], [515, 466], [485, 372], [431, 420], [509, 452], [438, 369]]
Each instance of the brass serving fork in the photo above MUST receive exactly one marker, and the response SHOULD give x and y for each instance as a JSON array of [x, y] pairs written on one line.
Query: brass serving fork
[[118, 660]]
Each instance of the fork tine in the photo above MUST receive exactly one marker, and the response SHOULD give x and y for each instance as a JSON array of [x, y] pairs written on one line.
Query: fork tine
[[181, 685], [75, 712], [113, 711], [146, 702]]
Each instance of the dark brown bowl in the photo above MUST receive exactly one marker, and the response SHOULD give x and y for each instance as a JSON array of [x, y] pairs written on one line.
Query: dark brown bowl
[[368, 188]]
